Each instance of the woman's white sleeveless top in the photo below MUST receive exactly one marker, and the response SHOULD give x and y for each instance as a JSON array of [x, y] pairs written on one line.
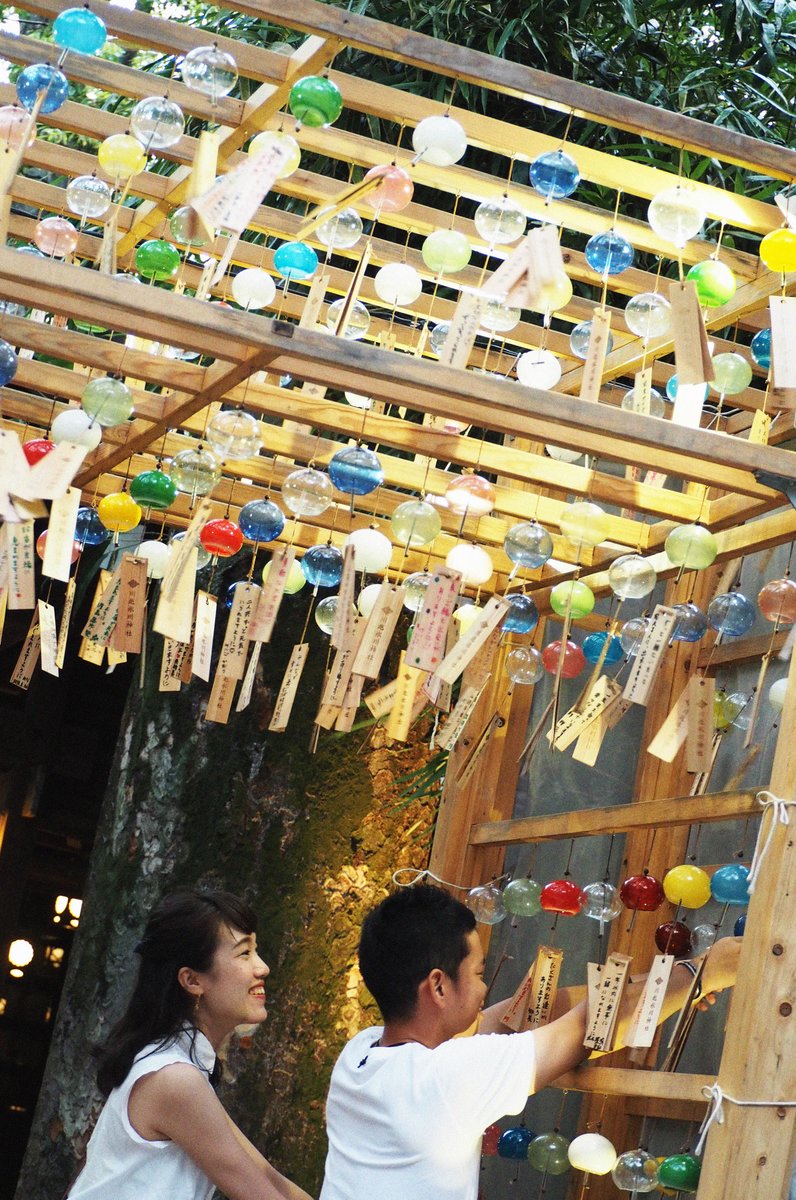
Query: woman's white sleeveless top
[[120, 1164]]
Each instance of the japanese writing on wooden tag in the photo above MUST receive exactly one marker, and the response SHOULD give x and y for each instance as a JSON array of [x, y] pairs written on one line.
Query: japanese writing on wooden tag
[[232, 661], [456, 723], [51, 476], [129, 630], [761, 424], [590, 739], [181, 559], [220, 703], [644, 1022], [470, 642], [102, 621], [400, 718], [287, 692], [49, 638], [244, 699], [464, 325], [28, 656], [602, 1017], [22, 581], [378, 631], [544, 985], [592, 377], [204, 628], [63, 629], [427, 647], [699, 741], [61, 536], [650, 653], [345, 612], [171, 664], [262, 623]]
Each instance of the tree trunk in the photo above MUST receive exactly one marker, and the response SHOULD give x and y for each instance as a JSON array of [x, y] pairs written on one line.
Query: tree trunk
[[311, 841]]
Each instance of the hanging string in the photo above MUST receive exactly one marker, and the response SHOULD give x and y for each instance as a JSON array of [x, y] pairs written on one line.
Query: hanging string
[[779, 816], [416, 875], [715, 1115]]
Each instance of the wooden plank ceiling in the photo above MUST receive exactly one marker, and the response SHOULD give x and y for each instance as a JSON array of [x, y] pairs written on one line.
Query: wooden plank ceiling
[[75, 322]]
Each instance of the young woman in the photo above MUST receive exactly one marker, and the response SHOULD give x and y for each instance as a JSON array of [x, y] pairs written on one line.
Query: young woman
[[163, 1133]]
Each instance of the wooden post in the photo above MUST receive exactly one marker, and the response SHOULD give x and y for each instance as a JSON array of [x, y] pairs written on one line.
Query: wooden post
[[751, 1153], [655, 780]]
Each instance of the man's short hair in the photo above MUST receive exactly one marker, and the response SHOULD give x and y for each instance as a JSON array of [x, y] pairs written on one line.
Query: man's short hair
[[413, 932]]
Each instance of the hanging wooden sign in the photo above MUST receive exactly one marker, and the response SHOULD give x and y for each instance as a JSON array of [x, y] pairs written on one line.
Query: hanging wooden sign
[[345, 613], [232, 661], [346, 715], [470, 642], [102, 621], [28, 656], [783, 347], [602, 1018], [262, 623], [14, 466], [219, 705], [378, 633], [644, 1022], [174, 613], [22, 578], [590, 739], [463, 709], [181, 559], [691, 352], [337, 681], [171, 664], [544, 985], [89, 651], [482, 664], [49, 478], [592, 377], [4, 609], [128, 633], [642, 391], [244, 699], [289, 687], [572, 723], [650, 654], [462, 330], [204, 627], [759, 429], [427, 647], [399, 721], [699, 739], [495, 722], [60, 542], [49, 638]]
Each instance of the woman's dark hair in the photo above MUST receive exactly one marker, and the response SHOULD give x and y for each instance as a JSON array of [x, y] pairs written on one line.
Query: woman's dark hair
[[183, 931], [414, 931]]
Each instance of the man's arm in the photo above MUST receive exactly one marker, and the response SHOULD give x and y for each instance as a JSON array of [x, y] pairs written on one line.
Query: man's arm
[[560, 1043]]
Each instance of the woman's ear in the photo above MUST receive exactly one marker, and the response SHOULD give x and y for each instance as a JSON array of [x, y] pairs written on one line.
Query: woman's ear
[[189, 981]]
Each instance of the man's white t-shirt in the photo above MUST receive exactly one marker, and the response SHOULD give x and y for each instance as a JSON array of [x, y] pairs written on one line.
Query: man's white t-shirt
[[405, 1122]]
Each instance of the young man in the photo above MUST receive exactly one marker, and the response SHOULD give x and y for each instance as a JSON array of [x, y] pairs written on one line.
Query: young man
[[409, 1101]]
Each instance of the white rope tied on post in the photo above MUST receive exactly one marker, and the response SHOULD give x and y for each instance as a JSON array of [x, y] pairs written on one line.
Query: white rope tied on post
[[779, 816], [715, 1114]]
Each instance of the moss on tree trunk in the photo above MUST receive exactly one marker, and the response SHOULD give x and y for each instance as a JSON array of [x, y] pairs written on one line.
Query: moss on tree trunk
[[310, 840]]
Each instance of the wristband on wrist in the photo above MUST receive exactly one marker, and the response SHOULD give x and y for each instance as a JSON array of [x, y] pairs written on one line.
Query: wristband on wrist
[[693, 970]]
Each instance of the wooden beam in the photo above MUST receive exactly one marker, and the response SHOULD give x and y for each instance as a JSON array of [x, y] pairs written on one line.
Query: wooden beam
[[622, 818], [624, 1081], [537, 87], [739, 651], [751, 1152]]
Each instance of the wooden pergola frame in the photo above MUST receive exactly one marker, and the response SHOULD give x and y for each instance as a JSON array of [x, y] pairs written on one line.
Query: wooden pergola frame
[[722, 480]]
